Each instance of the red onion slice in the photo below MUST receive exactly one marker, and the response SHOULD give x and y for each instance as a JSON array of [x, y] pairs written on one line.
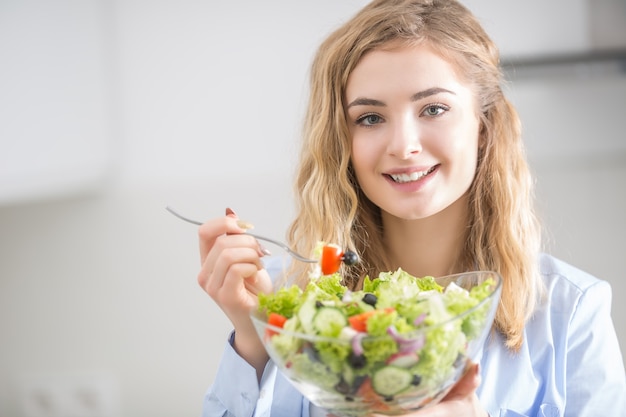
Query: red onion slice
[[406, 344], [357, 348]]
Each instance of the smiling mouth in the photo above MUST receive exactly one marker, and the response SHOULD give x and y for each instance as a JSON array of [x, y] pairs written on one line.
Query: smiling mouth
[[413, 176]]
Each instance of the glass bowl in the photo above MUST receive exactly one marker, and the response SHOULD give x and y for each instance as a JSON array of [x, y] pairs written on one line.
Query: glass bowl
[[391, 370]]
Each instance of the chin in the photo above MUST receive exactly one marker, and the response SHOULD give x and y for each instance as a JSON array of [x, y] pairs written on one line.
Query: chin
[[410, 215]]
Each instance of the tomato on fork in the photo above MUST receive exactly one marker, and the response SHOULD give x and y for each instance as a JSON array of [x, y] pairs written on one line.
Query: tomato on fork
[[333, 256]]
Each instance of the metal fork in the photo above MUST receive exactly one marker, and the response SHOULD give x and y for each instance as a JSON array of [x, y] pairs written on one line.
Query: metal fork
[[282, 245]]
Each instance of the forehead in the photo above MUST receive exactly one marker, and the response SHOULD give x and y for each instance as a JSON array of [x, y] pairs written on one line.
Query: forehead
[[401, 67]]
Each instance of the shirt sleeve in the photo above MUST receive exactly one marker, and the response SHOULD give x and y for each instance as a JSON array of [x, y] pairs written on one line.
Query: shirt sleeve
[[235, 391], [570, 364], [596, 381]]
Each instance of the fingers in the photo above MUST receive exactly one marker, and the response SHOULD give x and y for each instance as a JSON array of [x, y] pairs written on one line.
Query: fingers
[[231, 272], [226, 251], [214, 228], [232, 259]]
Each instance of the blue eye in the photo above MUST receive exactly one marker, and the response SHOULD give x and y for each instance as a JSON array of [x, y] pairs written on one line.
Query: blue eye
[[369, 119], [435, 110]]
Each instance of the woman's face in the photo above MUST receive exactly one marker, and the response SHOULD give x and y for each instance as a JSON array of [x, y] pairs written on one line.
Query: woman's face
[[414, 129]]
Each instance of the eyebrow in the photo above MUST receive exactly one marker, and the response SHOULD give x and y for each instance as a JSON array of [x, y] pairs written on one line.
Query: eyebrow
[[362, 101], [430, 92]]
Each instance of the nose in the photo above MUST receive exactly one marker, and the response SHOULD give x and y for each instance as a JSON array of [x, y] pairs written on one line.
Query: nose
[[405, 139]]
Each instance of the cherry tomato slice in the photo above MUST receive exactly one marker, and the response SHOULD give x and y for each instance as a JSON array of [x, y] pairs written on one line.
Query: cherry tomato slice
[[359, 321], [277, 320], [331, 259]]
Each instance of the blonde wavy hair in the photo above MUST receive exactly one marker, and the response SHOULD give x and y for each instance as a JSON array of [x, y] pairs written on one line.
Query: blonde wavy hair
[[503, 234]]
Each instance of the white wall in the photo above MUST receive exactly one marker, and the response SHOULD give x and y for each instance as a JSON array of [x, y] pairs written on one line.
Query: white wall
[[200, 104]]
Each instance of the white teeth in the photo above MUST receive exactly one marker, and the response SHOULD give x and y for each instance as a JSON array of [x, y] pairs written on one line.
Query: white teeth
[[413, 176]]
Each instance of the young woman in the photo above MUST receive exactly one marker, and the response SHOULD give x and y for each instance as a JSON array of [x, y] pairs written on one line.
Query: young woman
[[412, 157]]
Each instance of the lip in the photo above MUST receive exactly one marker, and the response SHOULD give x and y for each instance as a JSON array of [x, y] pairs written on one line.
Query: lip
[[412, 186], [409, 170]]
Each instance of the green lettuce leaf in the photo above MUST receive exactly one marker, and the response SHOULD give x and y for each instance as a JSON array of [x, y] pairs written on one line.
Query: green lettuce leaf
[[285, 301]]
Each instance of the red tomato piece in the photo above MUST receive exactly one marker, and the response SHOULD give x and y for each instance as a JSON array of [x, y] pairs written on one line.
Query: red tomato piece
[[331, 259], [277, 320], [359, 321]]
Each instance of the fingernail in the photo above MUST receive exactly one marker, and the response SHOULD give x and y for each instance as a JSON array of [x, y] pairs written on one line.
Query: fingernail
[[244, 225], [264, 250], [230, 212]]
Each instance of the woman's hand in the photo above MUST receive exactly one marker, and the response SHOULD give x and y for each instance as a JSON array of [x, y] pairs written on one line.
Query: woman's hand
[[232, 274], [461, 401]]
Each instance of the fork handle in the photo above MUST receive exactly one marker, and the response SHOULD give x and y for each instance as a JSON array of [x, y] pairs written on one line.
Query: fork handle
[[284, 247], [267, 239]]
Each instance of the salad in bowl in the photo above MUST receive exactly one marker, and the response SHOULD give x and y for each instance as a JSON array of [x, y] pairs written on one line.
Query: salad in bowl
[[398, 344]]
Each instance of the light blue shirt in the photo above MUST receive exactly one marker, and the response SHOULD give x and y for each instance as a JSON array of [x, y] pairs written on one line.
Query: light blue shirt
[[569, 366]]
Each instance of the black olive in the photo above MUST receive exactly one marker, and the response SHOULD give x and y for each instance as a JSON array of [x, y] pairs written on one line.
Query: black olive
[[342, 387], [416, 380], [389, 398], [370, 299], [350, 258], [318, 304], [357, 361]]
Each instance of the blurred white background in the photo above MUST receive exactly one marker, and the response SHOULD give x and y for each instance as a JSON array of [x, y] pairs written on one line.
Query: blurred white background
[[111, 110]]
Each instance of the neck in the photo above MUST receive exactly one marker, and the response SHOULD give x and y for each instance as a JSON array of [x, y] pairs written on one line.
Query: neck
[[429, 246]]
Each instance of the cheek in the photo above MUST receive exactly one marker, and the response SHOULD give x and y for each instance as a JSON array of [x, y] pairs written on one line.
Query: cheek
[[357, 166], [361, 156], [465, 140], [467, 153]]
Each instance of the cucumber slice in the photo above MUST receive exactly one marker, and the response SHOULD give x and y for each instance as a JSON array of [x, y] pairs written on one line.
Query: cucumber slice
[[329, 321], [391, 380], [306, 313]]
